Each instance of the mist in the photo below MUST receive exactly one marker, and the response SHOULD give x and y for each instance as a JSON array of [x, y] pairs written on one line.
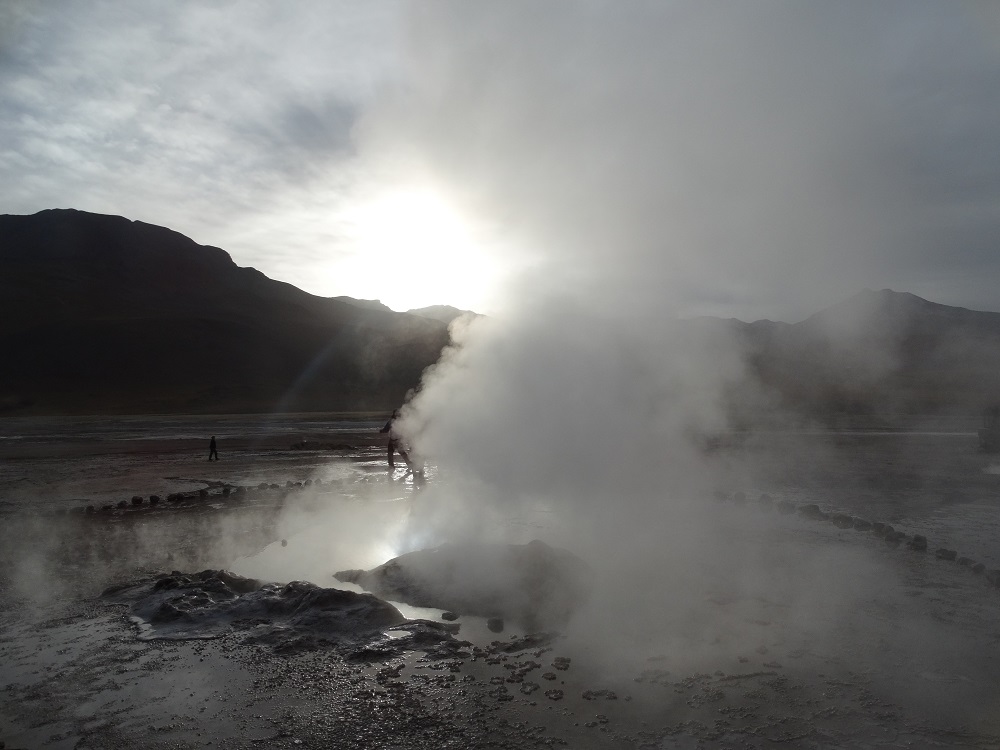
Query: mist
[[640, 166]]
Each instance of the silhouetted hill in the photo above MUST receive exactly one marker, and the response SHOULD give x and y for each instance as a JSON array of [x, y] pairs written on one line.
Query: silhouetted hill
[[879, 352], [102, 314], [441, 313]]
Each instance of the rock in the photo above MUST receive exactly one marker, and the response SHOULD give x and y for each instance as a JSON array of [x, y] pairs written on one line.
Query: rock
[[122, 504], [203, 492], [720, 496], [262, 486], [945, 554], [842, 521], [449, 616], [136, 500], [860, 524], [154, 499], [739, 498], [533, 584], [786, 507], [811, 511], [90, 509], [993, 576], [879, 528], [225, 491], [894, 537], [107, 507], [495, 624], [965, 562], [978, 568], [918, 543], [765, 501]]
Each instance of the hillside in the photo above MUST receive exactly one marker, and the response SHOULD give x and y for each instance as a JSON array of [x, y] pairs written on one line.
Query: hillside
[[101, 314], [878, 352]]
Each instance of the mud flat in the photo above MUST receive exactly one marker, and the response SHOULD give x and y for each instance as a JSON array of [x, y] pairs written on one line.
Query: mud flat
[[807, 633], [906, 656]]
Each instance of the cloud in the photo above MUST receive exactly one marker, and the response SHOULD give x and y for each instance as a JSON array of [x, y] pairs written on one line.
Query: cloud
[[185, 114], [760, 159]]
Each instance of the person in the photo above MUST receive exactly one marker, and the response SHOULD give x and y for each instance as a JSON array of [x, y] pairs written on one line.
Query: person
[[212, 450], [395, 443]]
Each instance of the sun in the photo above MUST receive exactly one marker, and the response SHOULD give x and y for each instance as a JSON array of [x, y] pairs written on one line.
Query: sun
[[412, 248]]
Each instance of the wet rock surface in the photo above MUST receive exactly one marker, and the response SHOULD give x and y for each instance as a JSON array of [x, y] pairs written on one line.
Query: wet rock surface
[[210, 603], [534, 584]]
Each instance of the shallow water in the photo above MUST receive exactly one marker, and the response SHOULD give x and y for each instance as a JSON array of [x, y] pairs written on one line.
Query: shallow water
[[801, 635]]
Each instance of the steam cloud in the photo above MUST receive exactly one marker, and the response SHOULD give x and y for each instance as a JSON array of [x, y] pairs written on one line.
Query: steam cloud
[[648, 162]]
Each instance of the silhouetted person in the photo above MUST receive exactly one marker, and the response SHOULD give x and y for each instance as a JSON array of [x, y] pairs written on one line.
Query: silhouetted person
[[212, 450], [395, 444]]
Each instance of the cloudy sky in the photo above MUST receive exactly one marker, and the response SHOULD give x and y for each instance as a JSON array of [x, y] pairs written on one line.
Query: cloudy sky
[[756, 159]]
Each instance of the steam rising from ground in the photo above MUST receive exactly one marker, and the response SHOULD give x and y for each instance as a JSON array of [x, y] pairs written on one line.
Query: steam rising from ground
[[645, 160]]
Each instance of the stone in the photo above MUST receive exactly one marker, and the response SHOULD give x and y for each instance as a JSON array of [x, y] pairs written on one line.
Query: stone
[[894, 537], [811, 511], [965, 562], [918, 543], [978, 568], [107, 507], [739, 498], [879, 528], [122, 504], [495, 624], [945, 554], [154, 499], [842, 521], [532, 584], [993, 576], [765, 501], [136, 500], [226, 491], [90, 509], [786, 507], [449, 616], [203, 492], [861, 524]]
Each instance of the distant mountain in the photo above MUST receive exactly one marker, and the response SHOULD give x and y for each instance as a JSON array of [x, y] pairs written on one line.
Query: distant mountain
[[367, 304], [878, 352], [101, 314], [442, 313]]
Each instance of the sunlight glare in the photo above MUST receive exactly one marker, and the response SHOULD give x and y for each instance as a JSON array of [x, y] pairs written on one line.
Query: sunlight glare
[[412, 249]]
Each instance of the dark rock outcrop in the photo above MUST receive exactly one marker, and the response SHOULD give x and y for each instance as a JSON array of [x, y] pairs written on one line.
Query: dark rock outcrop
[[101, 296], [534, 584]]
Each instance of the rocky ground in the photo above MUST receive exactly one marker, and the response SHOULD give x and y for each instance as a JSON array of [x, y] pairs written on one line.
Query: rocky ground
[[846, 635]]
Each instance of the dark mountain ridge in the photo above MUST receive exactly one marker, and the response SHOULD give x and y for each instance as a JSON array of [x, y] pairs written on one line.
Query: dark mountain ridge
[[879, 352], [99, 314], [102, 314]]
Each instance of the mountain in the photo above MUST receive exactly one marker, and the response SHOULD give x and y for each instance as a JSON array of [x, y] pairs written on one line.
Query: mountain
[[879, 352], [442, 313], [99, 314]]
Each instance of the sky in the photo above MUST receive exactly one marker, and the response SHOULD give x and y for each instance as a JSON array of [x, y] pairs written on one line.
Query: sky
[[752, 160]]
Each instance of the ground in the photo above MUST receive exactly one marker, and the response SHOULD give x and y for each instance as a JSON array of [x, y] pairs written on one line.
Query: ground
[[837, 639]]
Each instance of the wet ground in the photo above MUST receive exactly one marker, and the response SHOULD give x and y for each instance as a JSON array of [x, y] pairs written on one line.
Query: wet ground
[[839, 639]]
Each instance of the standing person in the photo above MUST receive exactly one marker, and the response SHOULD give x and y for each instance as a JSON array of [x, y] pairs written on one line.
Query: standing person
[[395, 444], [212, 450]]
